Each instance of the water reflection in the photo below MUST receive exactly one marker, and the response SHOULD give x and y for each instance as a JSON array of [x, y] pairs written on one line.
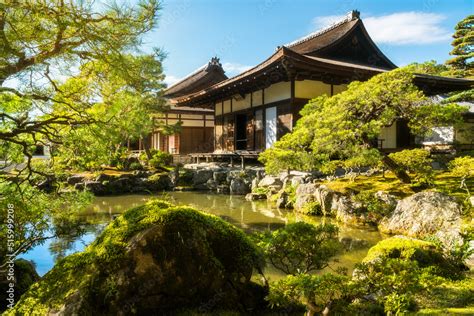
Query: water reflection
[[249, 216]]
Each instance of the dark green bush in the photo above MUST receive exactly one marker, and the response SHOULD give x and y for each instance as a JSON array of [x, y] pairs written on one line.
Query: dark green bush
[[416, 161], [135, 166], [312, 208], [160, 159], [300, 247], [376, 208]]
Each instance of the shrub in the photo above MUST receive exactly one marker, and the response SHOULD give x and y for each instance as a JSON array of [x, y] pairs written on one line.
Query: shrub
[[416, 161], [330, 167], [118, 158], [393, 283], [261, 190], [374, 206], [311, 208], [426, 254], [463, 167], [161, 159], [135, 166], [300, 247], [316, 292]]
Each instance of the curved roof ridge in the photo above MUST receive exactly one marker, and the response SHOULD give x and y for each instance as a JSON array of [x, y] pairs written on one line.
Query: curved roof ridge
[[213, 62], [188, 76], [352, 15]]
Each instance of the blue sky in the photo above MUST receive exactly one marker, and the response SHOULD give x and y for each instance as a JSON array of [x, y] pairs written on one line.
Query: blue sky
[[244, 33]]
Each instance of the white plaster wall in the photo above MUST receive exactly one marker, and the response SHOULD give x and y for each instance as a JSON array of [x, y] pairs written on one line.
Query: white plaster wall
[[270, 126], [243, 104], [278, 91], [309, 89]]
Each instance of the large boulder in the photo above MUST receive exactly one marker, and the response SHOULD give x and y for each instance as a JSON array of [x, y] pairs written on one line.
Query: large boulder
[[305, 194], [239, 186], [345, 211], [324, 197], [425, 214], [202, 176], [158, 182], [271, 182], [220, 176], [152, 260]]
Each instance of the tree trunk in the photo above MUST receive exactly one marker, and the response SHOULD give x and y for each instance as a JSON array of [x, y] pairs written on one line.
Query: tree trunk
[[146, 146], [389, 162], [395, 168]]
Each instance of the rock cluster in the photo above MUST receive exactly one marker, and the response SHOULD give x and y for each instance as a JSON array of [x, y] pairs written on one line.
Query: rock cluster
[[138, 181], [223, 179]]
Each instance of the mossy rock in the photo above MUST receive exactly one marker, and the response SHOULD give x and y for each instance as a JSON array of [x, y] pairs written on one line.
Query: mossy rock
[[25, 276], [152, 259], [427, 254]]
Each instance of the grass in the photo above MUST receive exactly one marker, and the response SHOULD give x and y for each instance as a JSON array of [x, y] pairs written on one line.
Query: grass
[[449, 298], [444, 181]]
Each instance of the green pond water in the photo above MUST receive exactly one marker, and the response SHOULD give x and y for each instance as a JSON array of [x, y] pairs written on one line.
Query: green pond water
[[249, 216]]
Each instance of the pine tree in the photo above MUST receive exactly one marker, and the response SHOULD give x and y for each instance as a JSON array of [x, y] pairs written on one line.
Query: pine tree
[[463, 48]]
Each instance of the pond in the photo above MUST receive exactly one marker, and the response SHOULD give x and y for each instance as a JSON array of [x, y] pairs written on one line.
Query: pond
[[249, 216]]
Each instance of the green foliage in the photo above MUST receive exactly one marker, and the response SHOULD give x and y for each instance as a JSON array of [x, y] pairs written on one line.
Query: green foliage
[[279, 159], [416, 161], [81, 83], [427, 254], [161, 159], [430, 68], [463, 167], [366, 158], [343, 127], [311, 208], [448, 298], [463, 46], [300, 247], [316, 292], [394, 283], [462, 251], [261, 190], [33, 211], [290, 190], [330, 167], [373, 205], [124, 113], [135, 166]]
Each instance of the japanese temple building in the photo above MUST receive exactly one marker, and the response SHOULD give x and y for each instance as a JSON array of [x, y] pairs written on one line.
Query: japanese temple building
[[197, 124], [255, 108]]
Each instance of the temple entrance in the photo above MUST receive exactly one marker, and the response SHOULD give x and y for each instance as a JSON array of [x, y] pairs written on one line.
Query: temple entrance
[[241, 131]]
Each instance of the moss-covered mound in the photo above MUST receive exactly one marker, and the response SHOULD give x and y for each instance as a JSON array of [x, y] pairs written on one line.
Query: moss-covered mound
[[151, 260], [425, 253], [25, 276]]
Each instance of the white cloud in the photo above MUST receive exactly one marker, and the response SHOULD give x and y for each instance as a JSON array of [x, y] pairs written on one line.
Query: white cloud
[[234, 68], [399, 28], [170, 80], [407, 28], [320, 22]]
